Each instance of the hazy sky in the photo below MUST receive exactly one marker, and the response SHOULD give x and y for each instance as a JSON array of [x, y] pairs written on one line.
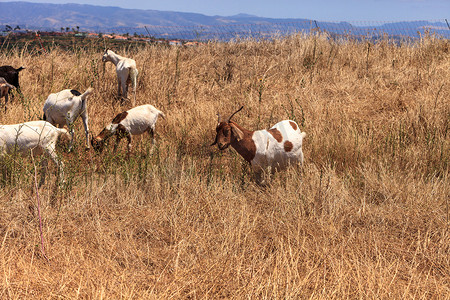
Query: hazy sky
[[322, 10]]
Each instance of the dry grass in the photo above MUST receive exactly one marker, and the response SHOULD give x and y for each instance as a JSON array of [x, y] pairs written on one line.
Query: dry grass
[[366, 217]]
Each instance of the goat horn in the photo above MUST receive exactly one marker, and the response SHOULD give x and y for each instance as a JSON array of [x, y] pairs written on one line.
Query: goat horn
[[235, 113]]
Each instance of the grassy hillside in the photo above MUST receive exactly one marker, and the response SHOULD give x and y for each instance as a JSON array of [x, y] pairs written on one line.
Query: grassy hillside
[[68, 42], [366, 217]]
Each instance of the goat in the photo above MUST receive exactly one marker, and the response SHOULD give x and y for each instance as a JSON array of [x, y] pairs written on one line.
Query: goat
[[11, 75], [5, 87], [64, 107], [35, 136], [135, 121], [126, 72], [266, 150]]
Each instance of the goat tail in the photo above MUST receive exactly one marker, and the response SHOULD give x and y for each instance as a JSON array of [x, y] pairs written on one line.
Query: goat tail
[[20, 69], [303, 134], [85, 94]]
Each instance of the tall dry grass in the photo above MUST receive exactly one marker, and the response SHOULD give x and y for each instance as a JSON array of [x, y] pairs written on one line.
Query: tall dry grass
[[366, 217]]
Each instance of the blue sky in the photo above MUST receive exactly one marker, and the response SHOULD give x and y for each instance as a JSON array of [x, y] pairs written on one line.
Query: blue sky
[[322, 10]]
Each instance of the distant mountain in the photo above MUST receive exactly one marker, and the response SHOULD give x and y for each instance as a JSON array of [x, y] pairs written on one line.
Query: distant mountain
[[91, 17], [167, 24]]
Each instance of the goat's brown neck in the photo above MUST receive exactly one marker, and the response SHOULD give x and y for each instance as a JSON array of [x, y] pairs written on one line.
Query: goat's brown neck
[[103, 135], [246, 146]]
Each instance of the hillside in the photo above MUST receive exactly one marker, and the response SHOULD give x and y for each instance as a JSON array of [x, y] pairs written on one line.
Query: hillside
[[103, 17], [119, 20]]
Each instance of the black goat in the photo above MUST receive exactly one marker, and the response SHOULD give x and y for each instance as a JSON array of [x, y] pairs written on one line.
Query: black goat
[[11, 75]]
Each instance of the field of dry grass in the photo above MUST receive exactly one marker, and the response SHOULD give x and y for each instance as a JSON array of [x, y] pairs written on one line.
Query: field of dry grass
[[366, 217]]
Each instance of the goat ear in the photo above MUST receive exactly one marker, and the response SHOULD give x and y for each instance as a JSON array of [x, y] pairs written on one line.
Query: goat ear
[[238, 134]]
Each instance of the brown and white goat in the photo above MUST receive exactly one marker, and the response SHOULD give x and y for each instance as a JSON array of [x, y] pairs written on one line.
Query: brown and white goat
[[35, 136], [135, 121], [266, 150], [5, 87]]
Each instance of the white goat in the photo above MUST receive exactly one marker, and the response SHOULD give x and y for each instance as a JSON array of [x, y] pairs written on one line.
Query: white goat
[[35, 136], [135, 121], [126, 72], [266, 150], [64, 107], [4, 90]]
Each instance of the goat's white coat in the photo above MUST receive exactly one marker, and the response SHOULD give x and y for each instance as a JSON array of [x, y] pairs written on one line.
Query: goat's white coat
[[138, 120], [63, 108], [35, 136], [126, 70], [270, 154]]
